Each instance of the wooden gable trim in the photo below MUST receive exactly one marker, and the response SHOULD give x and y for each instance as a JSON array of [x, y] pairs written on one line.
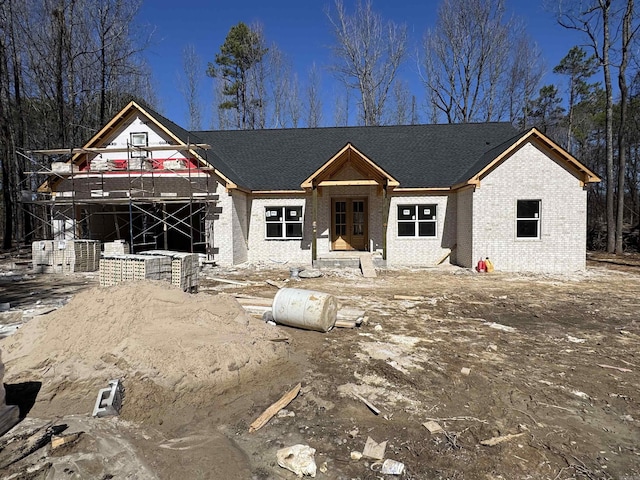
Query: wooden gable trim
[[171, 135], [121, 117], [230, 185], [334, 163], [542, 142]]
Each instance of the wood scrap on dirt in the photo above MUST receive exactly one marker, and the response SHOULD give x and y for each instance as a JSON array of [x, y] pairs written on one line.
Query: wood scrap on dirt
[[274, 408]]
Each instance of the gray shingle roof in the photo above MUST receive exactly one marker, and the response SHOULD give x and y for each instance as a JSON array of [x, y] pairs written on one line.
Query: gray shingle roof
[[185, 136], [416, 155]]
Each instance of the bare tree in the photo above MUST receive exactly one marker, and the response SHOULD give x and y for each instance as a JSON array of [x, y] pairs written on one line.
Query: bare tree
[[467, 67], [221, 119], [415, 118], [294, 107], [593, 19], [402, 103], [626, 38], [341, 108], [524, 74], [109, 25], [67, 65], [368, 53], [314, 102], [190, 85], [281, 70]]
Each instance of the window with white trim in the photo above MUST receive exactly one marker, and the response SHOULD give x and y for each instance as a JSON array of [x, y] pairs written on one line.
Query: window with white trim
[[528, 219], [283, 222], [417, 220], [139, 141]]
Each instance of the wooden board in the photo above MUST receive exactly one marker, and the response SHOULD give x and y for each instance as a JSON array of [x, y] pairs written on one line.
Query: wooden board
[[285, 400], [257, 301], [366, 265]]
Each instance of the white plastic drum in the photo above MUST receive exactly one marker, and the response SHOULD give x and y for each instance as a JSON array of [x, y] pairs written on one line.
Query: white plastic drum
[[305, 309]]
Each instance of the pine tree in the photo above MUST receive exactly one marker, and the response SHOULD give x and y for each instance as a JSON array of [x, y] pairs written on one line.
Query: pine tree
[[241, 52], [579, 68]]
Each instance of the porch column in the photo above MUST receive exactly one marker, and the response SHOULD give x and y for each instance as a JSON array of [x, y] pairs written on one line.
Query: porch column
[[314, 224], [385, 218]]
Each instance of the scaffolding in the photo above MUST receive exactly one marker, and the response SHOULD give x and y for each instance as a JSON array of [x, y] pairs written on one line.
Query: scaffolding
[[164, 203]]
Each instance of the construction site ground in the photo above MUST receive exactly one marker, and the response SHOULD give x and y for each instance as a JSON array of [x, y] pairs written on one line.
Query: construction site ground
[[548, 366]]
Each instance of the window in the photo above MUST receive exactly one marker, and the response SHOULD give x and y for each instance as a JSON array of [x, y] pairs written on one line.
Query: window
[[417, 220], [283, 222], [139, 141], [528, 219]]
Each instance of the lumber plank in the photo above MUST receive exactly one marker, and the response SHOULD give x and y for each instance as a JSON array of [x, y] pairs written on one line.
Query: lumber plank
[[268, 414], [620, 369], [366, 265], [371, 406], [446, 255], [273, 283], [345, 324], [347, 313], [255, 301], [496, 440], [226, 280], [58, 441], [415, 298]]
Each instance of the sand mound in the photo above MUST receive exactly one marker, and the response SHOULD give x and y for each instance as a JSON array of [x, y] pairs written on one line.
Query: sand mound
[[147, 329]]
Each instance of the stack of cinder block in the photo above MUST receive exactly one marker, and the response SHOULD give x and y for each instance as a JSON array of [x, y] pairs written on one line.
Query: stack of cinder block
[[111, 270], [100, 164], [115, 269], [184, 268], [140, 163], [149, 267], [65, 256], [63, 167], [118, 247], [176, 164]]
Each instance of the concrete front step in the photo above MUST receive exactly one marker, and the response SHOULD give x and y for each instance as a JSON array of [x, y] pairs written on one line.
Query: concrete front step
[[344, 260]]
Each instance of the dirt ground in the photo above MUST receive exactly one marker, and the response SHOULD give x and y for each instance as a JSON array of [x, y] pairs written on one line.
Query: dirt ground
[[553, 361]]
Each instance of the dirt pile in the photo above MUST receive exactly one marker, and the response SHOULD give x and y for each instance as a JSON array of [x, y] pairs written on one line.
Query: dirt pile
[[148, 330]]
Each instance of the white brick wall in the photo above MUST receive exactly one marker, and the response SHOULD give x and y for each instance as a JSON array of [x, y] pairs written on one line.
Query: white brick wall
[[233, 234], [421, 251], [223, 228], [463, 254], [263, 249], [482, 223], [530, 175], [239, 223]]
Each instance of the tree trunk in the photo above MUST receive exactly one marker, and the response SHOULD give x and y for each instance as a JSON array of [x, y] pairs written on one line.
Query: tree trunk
[[5, 146], [622, 133], [606, 46]]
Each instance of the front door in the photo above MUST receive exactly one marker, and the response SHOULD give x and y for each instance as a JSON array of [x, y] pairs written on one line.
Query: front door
[[349, 224]]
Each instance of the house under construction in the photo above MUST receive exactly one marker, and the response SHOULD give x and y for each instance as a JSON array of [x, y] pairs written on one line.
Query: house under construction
[[413, 195], [145, 184]]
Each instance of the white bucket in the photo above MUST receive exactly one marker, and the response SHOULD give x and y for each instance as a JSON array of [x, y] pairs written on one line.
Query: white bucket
[[305, 309]]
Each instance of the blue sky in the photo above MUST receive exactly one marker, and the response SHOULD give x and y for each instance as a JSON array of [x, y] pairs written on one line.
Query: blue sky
[[302, 31]]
